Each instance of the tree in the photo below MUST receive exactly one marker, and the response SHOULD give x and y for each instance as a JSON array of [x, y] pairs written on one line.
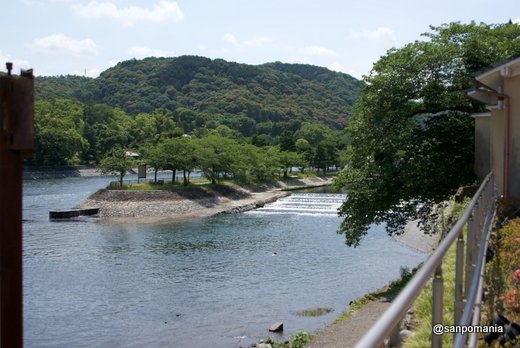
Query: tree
[[105, 128], [57, 132], [289, 159], [152, 128], [265, 163], [287, 141], [189, 161], [155, 157], [116, 162], [411, 134], [216, 156]]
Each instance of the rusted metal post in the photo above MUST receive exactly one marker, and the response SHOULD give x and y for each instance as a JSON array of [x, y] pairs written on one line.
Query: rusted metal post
[[16, 133]]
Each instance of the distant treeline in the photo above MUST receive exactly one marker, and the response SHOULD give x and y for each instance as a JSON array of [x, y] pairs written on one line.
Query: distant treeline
[[142, 102], [70, 132]]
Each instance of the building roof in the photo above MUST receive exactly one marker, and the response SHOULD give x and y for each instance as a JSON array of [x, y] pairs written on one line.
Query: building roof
[[490, 80], [494, 74]]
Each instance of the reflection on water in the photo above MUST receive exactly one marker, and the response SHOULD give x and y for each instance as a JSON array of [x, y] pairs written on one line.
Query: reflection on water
[[207, 282]]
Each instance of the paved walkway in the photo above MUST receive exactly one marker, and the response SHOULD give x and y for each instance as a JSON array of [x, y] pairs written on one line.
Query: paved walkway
[[346, 333]]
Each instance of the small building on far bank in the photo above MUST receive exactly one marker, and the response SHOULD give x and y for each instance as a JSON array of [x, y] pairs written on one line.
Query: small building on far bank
[[497, 132]]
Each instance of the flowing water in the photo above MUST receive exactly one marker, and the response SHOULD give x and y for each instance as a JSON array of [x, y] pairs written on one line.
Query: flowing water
[[206, 282]]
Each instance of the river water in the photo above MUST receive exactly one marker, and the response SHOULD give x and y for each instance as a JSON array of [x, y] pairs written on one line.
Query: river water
[[207, 282]]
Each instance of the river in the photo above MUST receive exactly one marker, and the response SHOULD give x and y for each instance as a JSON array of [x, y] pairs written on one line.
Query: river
[[206, 282]]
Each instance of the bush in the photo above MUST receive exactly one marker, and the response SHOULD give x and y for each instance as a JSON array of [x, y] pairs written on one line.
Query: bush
[[503, 274]]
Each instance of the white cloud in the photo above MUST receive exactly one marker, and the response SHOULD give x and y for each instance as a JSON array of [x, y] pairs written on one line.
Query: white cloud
[[161, 12], [17, 63], [42, 2], [379, 33], [516, 21], [258, 42], [59, 43], [255, 42], [230, 39], [336, 67], [319, 51], [143, 52]]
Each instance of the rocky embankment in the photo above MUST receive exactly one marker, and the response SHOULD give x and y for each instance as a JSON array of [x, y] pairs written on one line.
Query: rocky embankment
[[37, 173], [125, 206]]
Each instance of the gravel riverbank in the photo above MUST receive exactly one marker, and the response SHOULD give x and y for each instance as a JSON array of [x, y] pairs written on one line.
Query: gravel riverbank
[[117, 206]]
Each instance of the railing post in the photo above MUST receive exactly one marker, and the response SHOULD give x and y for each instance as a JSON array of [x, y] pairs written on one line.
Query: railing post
[[467, 289], [469, 252], [395, 337], [437, 293], [459, 278], [476, 235]]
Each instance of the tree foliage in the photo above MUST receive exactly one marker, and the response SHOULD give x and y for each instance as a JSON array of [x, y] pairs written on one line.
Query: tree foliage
[[411, 135], [141, 103], [198, 89], [117, 162], [58, 131]]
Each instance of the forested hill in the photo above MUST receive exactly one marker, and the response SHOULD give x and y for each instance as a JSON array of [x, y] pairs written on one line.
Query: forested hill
[[270, 92]]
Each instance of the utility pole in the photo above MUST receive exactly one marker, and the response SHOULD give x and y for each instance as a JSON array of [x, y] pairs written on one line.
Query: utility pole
[[16, 143]]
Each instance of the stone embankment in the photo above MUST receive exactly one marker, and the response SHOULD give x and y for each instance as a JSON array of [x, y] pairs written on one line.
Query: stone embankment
[[125, 206], [34, 173]]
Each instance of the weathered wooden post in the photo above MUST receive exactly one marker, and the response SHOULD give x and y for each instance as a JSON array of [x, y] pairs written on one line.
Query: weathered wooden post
[[16, 143]]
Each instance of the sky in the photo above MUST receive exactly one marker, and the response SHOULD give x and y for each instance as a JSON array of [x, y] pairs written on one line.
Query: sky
[[86, 37]]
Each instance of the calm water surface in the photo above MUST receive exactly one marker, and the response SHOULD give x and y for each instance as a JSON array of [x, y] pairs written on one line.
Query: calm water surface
[[206, 282]]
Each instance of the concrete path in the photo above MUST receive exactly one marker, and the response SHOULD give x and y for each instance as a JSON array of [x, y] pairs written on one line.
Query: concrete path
[[346, 333]]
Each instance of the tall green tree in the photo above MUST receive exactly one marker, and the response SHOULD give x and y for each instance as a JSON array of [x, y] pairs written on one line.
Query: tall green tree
[[116, 162], [216, 156], [154, 156], [289, 159], [151, 128], [411, 134], [57, 132], [105, 128]]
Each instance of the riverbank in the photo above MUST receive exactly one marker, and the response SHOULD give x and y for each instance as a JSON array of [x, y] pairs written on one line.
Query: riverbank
[[156, 207], [35, 173], [346, 333], [150, 206]]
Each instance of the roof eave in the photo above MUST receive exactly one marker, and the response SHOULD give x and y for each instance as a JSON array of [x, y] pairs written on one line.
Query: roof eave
[[494, 76]]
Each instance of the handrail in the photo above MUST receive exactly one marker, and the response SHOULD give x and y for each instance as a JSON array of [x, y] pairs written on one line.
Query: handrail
[[389, 323]]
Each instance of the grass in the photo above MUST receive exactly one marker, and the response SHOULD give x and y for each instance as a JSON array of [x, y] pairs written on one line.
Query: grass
[[389, 292], [298, 340], [314, 312], [355, 306], [423, 304], [165, 186], [302, 338]]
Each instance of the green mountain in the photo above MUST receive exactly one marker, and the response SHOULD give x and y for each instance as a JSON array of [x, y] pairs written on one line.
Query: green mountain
[[270, 92]]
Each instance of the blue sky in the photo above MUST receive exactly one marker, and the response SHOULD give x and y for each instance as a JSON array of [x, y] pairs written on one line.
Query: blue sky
[[59, 37]]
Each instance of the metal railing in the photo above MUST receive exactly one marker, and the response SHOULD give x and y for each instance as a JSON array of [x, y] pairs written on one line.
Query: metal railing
[[478, 218]]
